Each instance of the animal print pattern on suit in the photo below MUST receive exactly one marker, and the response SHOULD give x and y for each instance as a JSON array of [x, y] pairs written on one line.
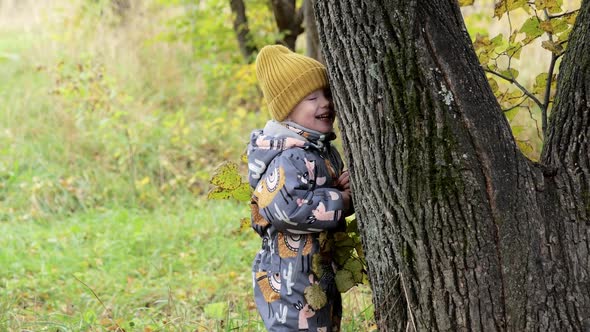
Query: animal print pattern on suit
[[289, 245], [294, 199]]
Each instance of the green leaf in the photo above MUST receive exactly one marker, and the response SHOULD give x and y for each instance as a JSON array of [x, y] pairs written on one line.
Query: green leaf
[[343, 240], [514, 50], [559, 25], [493, 84], [531, 28], [316, 264], [226, 176], [503, 6], [315, 296], [242, 193], [510, 72], [344, 280], [464, 3], [352, 225], [219, 193], [511, 114], [217, 310], [552, 6], [540, 84], [356, 268]]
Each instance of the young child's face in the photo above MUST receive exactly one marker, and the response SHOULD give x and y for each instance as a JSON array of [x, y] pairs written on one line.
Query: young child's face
[[315, 112]]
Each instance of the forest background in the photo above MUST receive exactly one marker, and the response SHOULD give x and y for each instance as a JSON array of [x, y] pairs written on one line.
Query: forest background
[[112, 122]]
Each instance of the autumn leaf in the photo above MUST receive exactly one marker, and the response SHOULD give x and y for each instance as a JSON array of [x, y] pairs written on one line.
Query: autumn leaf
[[315, 296], [503, 6], [552, 6], [356, 268], [552, 46], [540, 84], [546, 26], [344, 280], [226, 176], [464, 3], [219, 193], [228, 184], [570, 18], [510, 72], [242, 193], [531, 28]]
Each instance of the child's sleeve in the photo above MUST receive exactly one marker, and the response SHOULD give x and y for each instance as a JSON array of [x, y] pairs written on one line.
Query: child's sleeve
[[291, 198]]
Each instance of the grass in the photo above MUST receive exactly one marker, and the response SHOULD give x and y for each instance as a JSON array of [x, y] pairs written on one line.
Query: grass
[[143, 271]]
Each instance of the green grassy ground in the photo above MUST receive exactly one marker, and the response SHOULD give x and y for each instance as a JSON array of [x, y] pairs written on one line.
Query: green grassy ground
[[149, 270], [184, 270]]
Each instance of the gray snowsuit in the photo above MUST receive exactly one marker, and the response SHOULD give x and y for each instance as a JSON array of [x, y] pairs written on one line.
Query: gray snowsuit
[[293, 171]]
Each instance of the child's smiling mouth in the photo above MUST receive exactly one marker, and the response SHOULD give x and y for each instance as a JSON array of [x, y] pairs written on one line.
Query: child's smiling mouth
[[326, 116]]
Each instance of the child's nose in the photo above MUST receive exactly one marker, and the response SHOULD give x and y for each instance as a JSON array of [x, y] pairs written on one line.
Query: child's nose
[[325, 101]]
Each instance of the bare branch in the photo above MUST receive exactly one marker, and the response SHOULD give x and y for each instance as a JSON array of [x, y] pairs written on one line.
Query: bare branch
[[545, 109], [563, 14], [518, 85]]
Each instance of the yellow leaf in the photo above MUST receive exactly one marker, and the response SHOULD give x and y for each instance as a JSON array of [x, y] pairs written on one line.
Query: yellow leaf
[[546, 26], [143, 182], [218, 193], [244, 224], [226, 176], [242, 193]]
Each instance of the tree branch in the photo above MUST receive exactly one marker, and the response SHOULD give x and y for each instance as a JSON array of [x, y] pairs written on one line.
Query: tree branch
[[563, 14], [288, 21], [242, 30], [544, 110], [518, 85]]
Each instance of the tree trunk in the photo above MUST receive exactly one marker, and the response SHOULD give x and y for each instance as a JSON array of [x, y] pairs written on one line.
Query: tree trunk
[[289, 21], [461, 231], [312, 38], [242, 30], [121, 7]]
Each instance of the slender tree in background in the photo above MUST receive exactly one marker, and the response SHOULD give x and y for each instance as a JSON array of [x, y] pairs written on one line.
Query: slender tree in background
[[291, 22], [461, 230], [312, 46], [242, 30]]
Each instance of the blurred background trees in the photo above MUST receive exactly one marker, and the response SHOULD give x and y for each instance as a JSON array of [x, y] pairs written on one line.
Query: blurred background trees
[[139, 100]]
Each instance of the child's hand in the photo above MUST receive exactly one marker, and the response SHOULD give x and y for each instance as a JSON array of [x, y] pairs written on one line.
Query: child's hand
[[343, 182]]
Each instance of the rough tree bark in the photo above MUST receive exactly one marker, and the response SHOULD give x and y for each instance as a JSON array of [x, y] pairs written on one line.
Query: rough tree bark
[[242, 30], [461, 231]]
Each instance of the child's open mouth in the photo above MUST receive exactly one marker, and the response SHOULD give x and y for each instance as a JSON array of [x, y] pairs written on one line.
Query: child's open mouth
[[327, 116]]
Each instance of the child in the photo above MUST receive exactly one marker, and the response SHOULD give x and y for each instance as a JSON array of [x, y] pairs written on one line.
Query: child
[[300, 190]]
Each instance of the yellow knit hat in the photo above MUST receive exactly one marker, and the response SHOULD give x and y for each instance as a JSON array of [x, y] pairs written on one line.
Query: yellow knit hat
[[286, 77]]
